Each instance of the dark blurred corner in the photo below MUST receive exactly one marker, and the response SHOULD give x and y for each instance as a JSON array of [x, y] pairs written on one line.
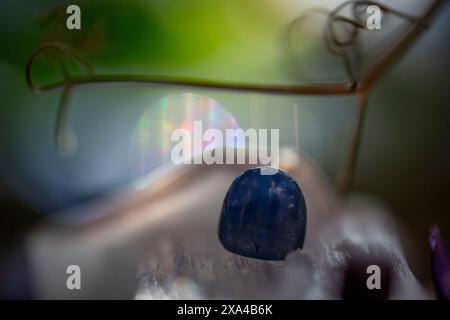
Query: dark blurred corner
[[15, 221]]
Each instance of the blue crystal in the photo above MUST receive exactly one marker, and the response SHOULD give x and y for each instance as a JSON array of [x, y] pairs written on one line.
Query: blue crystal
[[263, 216]]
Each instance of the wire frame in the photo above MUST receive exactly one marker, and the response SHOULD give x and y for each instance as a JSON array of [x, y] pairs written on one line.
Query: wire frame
[[357, 83]]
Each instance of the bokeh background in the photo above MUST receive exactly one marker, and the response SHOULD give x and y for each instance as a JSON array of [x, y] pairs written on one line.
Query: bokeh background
[[405, 154]]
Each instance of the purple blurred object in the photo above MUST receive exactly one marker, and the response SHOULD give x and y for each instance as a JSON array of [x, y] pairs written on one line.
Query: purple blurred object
[[440, 264]]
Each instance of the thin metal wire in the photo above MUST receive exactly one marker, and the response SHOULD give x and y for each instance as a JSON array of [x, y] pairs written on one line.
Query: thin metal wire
[[334, 44]]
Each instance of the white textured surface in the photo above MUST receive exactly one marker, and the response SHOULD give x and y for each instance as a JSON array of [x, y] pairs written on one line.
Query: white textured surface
[[161, 242]]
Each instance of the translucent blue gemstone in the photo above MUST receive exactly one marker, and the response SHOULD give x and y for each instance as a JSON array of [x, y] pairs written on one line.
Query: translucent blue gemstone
[[263, 216]]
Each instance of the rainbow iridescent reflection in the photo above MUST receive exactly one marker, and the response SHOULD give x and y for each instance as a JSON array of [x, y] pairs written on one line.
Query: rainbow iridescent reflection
[[151, 139]]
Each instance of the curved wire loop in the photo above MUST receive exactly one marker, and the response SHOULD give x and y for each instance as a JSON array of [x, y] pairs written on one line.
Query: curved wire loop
[[65, 139], [342, 45], [65, 51]]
